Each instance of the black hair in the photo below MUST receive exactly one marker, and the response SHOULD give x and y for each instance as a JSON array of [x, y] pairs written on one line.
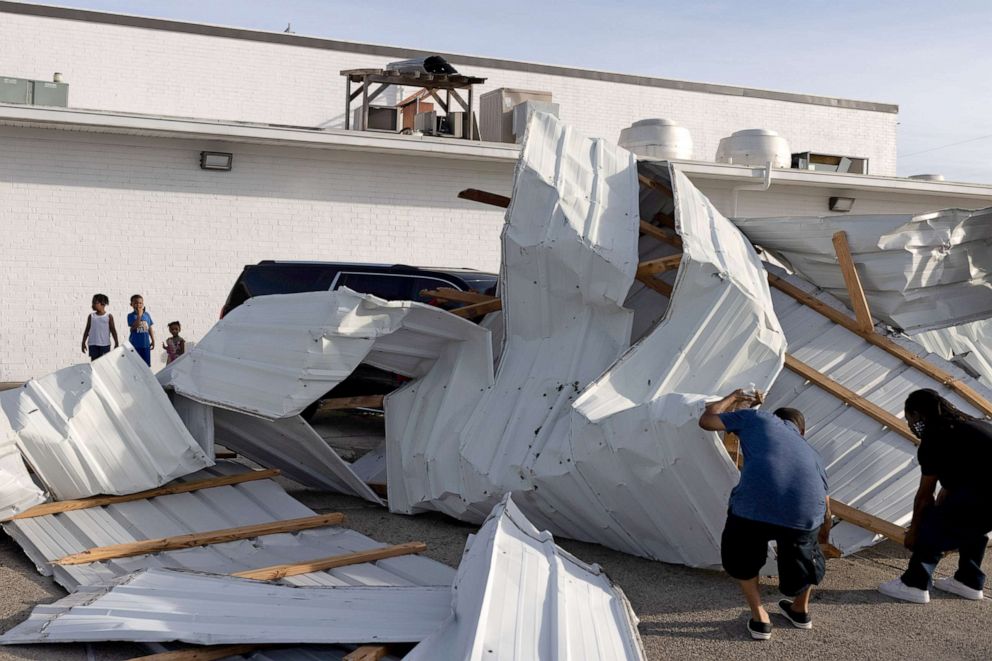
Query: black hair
[[931, 407], [795, 416], [134, 296], [174, 323], [101, 298]]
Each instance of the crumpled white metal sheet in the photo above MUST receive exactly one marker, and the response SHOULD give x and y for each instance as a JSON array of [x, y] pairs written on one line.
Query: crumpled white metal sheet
[[18, 491], [969, 345], [868, 466], [293, 446], [919, 272], [198, 418], [519, 596], [593, 462], [161, 605], [104, 427], [47, 538]]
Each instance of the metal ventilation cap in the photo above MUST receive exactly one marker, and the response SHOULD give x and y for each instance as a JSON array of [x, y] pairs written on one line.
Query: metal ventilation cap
[[926, 177]]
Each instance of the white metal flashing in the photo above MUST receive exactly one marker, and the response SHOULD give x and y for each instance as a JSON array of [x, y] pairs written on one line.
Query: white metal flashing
[[918, 272], [104, 427], [162, 605], [18, 491], [519, 596], [969, 345]]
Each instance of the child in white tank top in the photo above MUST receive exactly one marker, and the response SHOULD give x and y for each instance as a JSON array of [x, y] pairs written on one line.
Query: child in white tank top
[[99, 328]]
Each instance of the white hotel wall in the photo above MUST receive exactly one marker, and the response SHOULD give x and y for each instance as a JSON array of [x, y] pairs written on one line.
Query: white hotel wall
[[113, 67], [83, 213]]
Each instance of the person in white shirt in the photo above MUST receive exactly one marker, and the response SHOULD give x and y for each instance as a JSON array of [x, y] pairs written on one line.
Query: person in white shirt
[[99, 328]]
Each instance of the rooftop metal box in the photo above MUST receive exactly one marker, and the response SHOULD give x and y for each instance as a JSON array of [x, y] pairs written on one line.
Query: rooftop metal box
[[15, 90], [49, 94], [496, 111]]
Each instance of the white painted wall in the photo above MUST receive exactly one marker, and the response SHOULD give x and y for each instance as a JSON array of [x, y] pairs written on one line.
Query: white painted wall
[[84, 213], [122, 68]]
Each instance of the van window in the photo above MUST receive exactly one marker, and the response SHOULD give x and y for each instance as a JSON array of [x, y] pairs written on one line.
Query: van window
[[287, 279], [389, 287]]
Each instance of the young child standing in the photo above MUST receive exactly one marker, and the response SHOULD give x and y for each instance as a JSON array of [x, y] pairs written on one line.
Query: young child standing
[[142, 334], [175, 345], [99, 328]]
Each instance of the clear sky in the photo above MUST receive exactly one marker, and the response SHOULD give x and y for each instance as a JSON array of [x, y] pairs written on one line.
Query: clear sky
[[932, 58]]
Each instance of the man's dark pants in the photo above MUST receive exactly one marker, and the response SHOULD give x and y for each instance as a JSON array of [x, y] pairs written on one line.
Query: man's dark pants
[[744, 551]]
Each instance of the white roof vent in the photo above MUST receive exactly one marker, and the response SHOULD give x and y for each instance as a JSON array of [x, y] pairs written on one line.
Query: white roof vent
[[755, 147], [927, 177], [657, 138]]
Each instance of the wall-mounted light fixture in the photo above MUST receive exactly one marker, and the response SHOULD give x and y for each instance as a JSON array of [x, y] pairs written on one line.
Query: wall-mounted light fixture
[[216, 160], [841, 203]]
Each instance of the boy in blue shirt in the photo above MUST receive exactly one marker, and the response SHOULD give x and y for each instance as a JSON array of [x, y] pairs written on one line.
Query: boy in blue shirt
[[781, 496], [142, 334]]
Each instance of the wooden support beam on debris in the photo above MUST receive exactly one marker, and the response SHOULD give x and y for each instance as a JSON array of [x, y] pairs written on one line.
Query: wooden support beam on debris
[[859, 303], [168, 490], [205, 653], [449, 294], [882, 342], [276, 572], [478, 309], [849, 397], [493, 199], [191, 540], [359, 402], [867, 521], [660, 265], [367, 653], [655, 184]]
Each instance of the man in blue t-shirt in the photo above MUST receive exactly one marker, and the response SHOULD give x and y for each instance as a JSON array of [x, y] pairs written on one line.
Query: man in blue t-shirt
[[142, 335], [781, 496]]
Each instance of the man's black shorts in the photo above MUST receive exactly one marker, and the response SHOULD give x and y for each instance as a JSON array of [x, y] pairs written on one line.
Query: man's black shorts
[[744, 551]]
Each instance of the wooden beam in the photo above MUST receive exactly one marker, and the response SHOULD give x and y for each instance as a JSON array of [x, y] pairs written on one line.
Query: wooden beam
[[276, 572], [656, 232], [478, 309], [167, 490], [206, 653], [449, 294], [367, 653], [867, 521], [852, 281], [225, 454], [850, 397], [884, 343], [654, 283], [191, 540], [380, 489], [654, 184], [476, 195], [660, 265], [342, 403]]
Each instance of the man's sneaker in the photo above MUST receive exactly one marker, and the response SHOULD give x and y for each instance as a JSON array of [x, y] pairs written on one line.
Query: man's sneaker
[[759, 630], [798, 620], [899, 590], [954, 586]]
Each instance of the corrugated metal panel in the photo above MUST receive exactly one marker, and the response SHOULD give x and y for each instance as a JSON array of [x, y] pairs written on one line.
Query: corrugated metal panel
[[518, 596], [918, 272], [104, 427], [47, 538], [594, 465], [969, 345], [293, 446], [868, 466], [18, 491], [198, 418], [156, 605]]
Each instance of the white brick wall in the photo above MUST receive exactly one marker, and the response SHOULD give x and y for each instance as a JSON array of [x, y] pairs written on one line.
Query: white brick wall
[[111, 67], [85, 213]]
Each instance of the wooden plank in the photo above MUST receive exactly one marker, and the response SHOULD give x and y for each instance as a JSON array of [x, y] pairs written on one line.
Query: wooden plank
[[478, 309], [654, 283], [191, 540], [867, 521], [660, 234], [276, 572], [476, 195], [884, 343], [225, 454], [206, 653], [380, 489], [167, 490], [449, 294], [654, 184], [367, 653], [830, 551], [862, 313], [360, 402], [660, 265], [850, 397]]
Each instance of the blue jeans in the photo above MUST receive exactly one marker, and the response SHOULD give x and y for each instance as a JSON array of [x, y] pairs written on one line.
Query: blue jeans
[[96, 352], [960, 522], [145, 353]]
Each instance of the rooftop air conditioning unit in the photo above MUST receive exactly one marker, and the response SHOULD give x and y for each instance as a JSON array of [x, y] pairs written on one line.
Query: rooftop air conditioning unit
[[34, 92], [657, 138], [830, 163], [496, 111], [754, 148], [381, 118], [523, 111]]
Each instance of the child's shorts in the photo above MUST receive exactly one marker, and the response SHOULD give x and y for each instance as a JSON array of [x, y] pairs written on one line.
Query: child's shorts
[[96, 352], [145, 353]]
